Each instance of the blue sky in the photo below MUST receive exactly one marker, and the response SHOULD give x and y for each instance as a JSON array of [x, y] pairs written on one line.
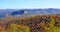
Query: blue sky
[[29, 4]]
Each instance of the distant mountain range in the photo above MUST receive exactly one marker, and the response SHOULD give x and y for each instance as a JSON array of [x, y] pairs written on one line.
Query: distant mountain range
[[12, 12]]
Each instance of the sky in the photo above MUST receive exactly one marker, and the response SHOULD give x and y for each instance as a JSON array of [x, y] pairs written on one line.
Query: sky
[[29, 4]]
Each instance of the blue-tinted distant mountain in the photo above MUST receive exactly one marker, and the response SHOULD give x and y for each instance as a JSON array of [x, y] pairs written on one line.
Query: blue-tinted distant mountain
[[12, 12], [18, 12], [4, 12]]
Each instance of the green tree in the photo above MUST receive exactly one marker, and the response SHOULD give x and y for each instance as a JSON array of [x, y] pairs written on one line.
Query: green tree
[[13, 27]]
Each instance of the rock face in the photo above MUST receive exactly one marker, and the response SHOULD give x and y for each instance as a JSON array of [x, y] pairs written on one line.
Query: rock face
[[18, 12]]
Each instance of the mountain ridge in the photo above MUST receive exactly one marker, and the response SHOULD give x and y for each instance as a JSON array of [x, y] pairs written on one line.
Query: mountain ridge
[[4, 12]]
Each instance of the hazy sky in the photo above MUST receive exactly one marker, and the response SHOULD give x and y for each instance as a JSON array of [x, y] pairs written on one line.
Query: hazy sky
[[22, 4]]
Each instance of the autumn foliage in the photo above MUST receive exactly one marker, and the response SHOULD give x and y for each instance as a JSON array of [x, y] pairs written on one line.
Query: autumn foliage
[[39, 23]]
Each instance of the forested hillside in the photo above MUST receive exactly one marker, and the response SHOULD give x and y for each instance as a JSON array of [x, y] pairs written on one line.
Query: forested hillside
[[38, 23]]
